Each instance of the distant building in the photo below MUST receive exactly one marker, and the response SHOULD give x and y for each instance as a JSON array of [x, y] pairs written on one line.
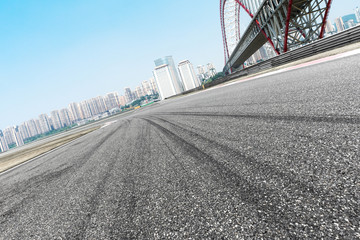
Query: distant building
[[55, 117], [112, 100], [76, 112], [38, 126], [357, 15], [339, 24], [3, 144], [138, 91], [84, 106], [129, 95], [33, 130], [122, 100], [168, 60], [329, 28], [17, 136], [24, 131], [146, 88], [166, 81], [153, 85], [44, 123], [8, 135], [65, 117], [188, 75]]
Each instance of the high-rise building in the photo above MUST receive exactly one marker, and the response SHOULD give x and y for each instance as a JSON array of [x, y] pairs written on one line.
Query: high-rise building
[[101, 104], [138, 91], [188, 75], [45, 123], [24, 131], [211, 71], [33, 130], [153, 85], [166, 81], [85, 109], [17, 136], [122, 100], [55, 117], [357, 14], [146, 87], [339, 24], [3, 144], [76, 112], [329, 28], [128, 95], [8, 135], [112, 100], [38, 126], [65, 117], [168, 60]]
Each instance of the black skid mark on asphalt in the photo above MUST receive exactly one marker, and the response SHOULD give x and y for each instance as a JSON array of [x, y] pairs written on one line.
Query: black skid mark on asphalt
[[267, 117], [34, 182], [99, 189], [248, 192]]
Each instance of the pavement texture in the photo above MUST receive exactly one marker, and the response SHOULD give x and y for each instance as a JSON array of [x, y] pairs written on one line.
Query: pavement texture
[[272, 158]]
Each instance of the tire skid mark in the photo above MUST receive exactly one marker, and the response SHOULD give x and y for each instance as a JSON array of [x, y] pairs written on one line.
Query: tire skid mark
[[248, 192], [293, 118]]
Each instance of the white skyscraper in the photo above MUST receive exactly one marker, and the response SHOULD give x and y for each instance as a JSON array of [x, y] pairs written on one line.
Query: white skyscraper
[[55, 117], [76, 111], [166, 81], [188, 75], [146, 87], [339, 24], [357, 14], [17, 136], [3, 144], [44, 123], [65, 117]]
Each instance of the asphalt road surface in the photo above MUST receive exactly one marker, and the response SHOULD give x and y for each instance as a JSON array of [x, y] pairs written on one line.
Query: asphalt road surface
[[275, 157]]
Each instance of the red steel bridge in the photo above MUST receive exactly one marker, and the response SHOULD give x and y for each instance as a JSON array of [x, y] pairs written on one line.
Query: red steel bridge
[[284, 24]]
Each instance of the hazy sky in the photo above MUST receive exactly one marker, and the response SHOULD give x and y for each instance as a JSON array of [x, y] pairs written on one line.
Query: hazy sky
[[53, 52]]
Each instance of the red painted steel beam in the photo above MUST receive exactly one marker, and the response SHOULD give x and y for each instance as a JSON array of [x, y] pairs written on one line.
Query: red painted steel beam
[[257, 23], [226, 49], [325, 19], [287, 25]]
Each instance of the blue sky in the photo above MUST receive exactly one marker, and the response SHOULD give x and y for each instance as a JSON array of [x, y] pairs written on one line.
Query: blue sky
[[53, 52]]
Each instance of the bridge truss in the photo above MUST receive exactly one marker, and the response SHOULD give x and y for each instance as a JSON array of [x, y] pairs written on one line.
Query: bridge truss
[[284, 24]]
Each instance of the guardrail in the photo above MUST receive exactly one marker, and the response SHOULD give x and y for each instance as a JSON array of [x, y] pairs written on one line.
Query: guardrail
[[341, 39]]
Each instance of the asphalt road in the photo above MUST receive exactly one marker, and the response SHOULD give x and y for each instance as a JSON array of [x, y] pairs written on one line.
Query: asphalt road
[[275, 157]]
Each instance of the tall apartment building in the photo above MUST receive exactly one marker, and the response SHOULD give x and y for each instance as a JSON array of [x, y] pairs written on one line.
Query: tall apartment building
[[100, 102], [76, 111], [146, 87], [357, 14], [55, 117], [139, 92], [128, 95], [65, 117], [122, 100], [112, 100], [339, 24], [166, 81], [211, 71], [85, 109], [17, 136], [45, 124], [24, 131], [188, 75], [8, 135], [33, 130], [38, 126], [3, 144], [153, 85], [168, 60]]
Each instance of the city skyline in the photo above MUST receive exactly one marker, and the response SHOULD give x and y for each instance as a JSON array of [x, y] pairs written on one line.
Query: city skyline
[[38, 70]]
